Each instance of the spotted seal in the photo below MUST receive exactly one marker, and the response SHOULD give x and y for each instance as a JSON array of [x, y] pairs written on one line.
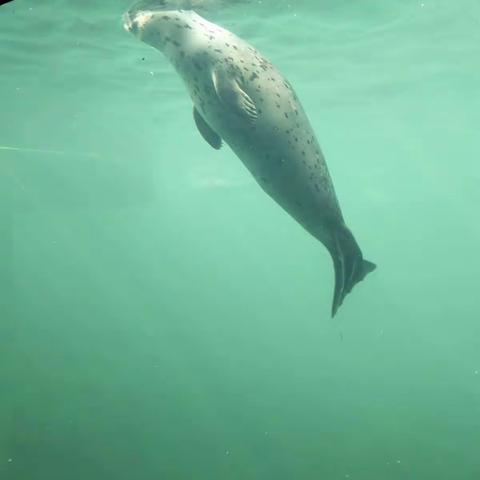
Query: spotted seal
[[241, 99]]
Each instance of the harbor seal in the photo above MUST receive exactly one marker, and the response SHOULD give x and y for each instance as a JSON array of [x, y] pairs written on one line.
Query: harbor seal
[[240, 98]]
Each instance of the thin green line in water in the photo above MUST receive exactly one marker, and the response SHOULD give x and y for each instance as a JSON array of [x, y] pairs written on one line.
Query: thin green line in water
[[55, 152]]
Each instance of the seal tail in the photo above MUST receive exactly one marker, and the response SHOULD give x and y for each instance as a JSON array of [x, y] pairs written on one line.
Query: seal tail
[[350, 267]]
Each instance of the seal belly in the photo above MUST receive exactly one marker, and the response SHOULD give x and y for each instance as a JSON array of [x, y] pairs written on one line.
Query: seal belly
[[283, 155], [301, 186]]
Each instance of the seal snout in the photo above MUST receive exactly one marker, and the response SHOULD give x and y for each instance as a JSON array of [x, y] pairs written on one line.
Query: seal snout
[[135, 21], [127, 22]]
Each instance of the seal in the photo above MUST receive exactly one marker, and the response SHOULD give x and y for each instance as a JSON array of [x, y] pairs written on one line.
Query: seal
[[241, 99]]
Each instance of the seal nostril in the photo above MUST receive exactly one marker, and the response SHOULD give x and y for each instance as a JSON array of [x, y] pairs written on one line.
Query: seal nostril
[[130, 24], [127, 23]]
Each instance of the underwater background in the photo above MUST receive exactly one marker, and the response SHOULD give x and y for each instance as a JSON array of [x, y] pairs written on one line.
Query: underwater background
[[162, 318]]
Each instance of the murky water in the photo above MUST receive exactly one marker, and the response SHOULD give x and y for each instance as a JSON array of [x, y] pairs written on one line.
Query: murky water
[[162, 318]]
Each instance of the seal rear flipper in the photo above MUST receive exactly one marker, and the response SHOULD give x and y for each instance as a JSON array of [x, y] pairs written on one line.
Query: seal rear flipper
[[211, 137], [350, 267], [231, 94]]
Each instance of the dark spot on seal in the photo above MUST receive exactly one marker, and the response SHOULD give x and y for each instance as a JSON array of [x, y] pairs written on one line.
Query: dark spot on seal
[[176, 43], [286, 115], [227, 44], [253, 76], [295, 138], [186, 25], [303, 152], [217, 50]]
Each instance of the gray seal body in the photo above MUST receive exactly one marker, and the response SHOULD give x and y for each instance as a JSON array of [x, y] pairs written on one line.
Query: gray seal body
[[240, 98]]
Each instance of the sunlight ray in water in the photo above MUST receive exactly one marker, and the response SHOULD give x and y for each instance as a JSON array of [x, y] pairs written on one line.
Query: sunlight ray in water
[[11, 148]]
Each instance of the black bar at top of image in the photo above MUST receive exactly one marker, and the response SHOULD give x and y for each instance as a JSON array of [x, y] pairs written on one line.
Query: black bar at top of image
[[3, 2]]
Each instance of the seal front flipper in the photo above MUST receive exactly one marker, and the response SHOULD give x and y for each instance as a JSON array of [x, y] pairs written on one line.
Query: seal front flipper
[[211, 137], [232, 95]]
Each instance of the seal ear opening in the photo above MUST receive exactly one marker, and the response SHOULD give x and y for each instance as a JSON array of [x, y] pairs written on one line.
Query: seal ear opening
[[350, 267]]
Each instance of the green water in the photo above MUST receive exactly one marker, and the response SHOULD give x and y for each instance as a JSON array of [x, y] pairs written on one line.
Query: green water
[[162, 318]]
